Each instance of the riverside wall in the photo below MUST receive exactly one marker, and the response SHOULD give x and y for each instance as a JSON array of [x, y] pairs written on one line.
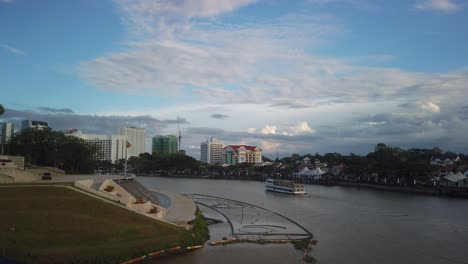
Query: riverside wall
[[437, 191]]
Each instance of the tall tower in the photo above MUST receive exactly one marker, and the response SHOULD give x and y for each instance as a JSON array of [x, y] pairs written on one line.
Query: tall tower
[[136, 138], [211, 151], [165, 144]]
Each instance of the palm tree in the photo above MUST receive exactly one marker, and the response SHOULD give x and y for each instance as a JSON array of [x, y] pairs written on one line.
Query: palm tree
[[2, 109]]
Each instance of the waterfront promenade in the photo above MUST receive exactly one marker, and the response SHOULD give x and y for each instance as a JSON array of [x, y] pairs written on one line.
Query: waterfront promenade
[[181, 208]]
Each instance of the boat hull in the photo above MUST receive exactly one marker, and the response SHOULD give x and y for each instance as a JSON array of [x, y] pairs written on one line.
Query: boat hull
[[281, 189]]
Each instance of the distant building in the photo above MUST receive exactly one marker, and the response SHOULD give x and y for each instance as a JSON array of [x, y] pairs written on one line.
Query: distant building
[[438, 161], [211, 151], [39, 125], [234, 154], [136, 138], [6, 132], [109, 147], [165, 144]]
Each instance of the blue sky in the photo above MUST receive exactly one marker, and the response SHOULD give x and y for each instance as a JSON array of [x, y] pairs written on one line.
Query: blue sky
[[298, 76]]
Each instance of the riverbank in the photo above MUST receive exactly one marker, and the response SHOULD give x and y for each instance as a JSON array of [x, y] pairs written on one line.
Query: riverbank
[[60, 225], [453, 192], [424, 190]]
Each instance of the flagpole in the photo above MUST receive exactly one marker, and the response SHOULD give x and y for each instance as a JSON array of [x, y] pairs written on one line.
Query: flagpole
[[125, 166]]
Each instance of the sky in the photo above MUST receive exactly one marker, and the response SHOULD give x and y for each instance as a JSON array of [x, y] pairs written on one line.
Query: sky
[[301, 76]]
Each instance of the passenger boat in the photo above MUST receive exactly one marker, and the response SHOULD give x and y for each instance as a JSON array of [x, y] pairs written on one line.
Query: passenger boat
[[284, 186]]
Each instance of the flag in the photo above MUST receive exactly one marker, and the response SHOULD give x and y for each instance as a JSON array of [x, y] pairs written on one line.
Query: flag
[[128, 144]]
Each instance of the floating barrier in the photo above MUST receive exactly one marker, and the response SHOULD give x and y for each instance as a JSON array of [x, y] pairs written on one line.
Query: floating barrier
[[195, 247], [142, 258], [161, 252], [230, 241], [174, 249], [157, 253], [222, 242]]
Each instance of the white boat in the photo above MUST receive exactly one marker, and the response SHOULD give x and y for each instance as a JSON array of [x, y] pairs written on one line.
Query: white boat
[[284, 186]]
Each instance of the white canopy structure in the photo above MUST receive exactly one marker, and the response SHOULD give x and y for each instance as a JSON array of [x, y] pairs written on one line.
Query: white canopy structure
[[456, 178], [309, 174]]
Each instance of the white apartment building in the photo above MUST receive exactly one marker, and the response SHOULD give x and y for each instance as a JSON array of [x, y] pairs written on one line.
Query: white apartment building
[[136, 138], [109, 147], [211, 151], [39, 125]]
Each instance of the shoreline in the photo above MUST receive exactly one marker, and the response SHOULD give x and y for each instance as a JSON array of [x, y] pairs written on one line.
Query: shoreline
[[418, 190]]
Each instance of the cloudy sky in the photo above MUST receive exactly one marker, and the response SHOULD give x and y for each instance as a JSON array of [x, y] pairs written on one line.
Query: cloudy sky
[[299, 76]]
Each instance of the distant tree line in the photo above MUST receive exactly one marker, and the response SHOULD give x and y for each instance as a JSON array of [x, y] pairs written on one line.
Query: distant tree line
[[147, 163], [47, 147], [384, 161]]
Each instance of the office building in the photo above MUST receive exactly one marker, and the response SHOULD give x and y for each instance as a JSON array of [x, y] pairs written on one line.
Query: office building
[[136, 138], [34, 124], [165, 144], [234, 154], [211, 151], [109, 147]]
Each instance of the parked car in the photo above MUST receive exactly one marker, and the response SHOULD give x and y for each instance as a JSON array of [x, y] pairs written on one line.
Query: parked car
[[46, 176]]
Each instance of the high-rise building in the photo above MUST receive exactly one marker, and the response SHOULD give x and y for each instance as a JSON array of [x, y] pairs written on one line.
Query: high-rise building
[[6, 132], [136, 138], [108, 147], [211, 151], [165, 144], [234, 154], [34, 124]]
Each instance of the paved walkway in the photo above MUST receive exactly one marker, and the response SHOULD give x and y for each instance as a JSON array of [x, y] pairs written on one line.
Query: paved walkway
[[181, 210], [73, 178]]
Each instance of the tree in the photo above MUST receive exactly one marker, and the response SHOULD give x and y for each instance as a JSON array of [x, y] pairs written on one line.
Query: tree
[[51, 148], [75, 155]]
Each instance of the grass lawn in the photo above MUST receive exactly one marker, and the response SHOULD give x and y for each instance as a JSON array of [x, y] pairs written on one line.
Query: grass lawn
[[57, 225]]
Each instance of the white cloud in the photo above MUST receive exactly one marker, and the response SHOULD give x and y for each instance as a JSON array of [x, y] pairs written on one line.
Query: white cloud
[[301, 128], [167, 50], [164, 18], [268, 130], [378, 123], [12, 49], [185, 8], [429, 106], [445, 6]]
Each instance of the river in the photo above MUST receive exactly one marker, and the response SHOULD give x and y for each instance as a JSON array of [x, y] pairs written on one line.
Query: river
[[352, 225]]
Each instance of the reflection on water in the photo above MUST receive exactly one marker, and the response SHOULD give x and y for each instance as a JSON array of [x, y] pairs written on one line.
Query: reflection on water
[[352, 225]]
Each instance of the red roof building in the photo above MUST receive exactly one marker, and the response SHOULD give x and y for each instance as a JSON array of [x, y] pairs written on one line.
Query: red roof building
[[234, 154]]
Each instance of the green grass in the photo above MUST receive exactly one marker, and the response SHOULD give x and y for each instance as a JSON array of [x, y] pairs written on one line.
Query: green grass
[[303, 243], [57, 225], [200, 232]]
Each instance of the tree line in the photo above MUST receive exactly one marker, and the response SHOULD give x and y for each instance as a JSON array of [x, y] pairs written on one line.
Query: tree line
[[52, 148]]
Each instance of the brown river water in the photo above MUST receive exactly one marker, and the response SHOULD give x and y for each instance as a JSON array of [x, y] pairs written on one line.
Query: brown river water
[[352, 225]]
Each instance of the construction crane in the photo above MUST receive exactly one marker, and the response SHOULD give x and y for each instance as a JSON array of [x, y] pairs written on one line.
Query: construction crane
[[180, 135]]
